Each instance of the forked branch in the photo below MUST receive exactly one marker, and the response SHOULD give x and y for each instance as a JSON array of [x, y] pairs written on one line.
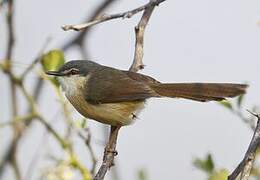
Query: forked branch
[[245, 166], [100, 19], [139, 40], [137, 64]]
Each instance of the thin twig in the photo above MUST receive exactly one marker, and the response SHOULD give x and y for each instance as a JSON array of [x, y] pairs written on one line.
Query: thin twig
[[35, 157], [245, 166], [250, 122], [9, 52], [16, 126], [137, 64], [64, 143], [109, 153], [139, 37], [87, 140], [80, 38], [8, 154], [98, 20]]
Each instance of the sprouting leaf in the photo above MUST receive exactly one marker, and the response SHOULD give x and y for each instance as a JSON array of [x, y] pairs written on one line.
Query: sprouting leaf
[[240, 100], [142, 175], [52, 61], [219, 175], [226, 104], [206, 165]]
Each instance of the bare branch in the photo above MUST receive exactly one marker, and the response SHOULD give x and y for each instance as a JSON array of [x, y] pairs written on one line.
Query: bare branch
[[98, 20], [139, 35], [11, 156], [9, 53], [10, 26], [109, 154], [245, 166], [79, 39], [8, 154]]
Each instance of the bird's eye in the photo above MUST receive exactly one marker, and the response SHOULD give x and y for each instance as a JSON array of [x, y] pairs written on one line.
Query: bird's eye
[[73, 71]]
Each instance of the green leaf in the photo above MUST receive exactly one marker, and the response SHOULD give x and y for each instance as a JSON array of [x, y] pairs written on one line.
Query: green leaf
[[52, 60], [219, 175], [142, 175], [240, 100], [206, 165], [226, 104]]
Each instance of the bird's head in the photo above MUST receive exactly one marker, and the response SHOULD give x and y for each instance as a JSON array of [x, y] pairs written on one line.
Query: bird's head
[[75, 68], [73, 74]]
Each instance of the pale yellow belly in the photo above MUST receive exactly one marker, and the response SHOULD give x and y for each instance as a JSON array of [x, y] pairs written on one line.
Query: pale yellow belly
[[110, 113]]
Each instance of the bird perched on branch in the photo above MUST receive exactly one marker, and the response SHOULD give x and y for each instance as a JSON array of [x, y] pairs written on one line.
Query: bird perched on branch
[[112, 96]]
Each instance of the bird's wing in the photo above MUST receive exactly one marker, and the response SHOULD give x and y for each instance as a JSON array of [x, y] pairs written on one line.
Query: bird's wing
[[110, 85]]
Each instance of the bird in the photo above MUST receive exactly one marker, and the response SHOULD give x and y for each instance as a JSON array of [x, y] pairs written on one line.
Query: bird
[[115, 97]]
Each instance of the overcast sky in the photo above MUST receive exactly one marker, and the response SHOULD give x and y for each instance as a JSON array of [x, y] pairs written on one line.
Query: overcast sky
[[186, 41]]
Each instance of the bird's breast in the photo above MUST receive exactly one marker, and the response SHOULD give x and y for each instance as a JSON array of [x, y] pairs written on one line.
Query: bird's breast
[[122, 113]]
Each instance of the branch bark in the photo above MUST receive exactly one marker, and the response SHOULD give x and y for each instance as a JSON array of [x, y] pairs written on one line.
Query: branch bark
[[16, 126], [110, 150], [98, 20], [139, 38], [109, 153], [245, 166], [9, 52], [79, 39]]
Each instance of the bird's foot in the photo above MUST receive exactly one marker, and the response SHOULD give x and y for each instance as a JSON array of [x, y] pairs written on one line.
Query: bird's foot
[[109, 150]]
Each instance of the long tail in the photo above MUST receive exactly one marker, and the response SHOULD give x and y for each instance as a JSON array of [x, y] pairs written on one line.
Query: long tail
[[200, 91]]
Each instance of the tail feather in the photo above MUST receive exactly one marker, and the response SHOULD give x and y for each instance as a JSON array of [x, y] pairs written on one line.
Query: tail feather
[[200, 91]]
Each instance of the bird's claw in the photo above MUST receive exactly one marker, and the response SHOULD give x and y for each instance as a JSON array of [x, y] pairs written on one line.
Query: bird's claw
[[114, 152]]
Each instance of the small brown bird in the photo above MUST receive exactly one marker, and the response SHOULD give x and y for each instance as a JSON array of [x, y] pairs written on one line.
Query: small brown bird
[[112, 96]]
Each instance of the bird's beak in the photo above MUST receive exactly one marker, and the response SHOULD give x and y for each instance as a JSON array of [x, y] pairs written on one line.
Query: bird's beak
[[55, 73]]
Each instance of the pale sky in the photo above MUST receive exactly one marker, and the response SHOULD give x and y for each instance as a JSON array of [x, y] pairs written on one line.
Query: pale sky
[[185, 41]]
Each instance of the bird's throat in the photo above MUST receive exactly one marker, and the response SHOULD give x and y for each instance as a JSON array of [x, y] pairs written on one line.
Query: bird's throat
[[72, 85]]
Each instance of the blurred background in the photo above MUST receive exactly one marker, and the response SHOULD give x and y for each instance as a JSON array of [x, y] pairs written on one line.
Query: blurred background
[[185, 41]]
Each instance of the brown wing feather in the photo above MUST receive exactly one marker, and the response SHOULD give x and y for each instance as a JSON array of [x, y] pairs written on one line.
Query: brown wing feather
[[141, 78], [112, 85]]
